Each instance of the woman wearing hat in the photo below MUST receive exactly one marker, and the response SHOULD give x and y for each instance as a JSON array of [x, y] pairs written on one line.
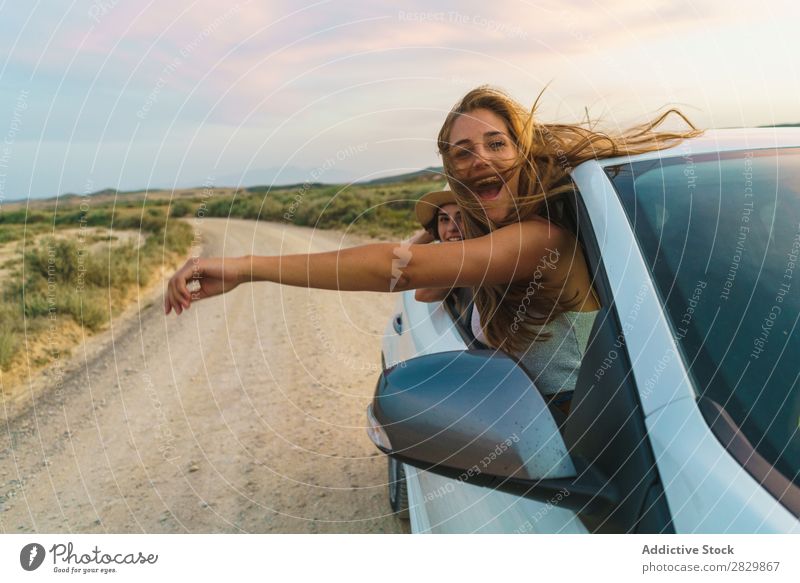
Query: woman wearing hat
[[440, 217]]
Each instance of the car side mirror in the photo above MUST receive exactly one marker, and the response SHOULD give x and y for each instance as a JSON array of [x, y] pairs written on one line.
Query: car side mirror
[[476, 416]]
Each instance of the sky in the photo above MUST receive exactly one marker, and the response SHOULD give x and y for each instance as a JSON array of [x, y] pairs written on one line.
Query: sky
[[134, 95]]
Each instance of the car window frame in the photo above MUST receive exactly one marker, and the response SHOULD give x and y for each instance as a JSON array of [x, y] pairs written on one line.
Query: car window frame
[[655, 513]]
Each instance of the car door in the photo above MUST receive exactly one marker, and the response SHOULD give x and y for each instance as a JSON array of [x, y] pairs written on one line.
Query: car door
[[418, 328]]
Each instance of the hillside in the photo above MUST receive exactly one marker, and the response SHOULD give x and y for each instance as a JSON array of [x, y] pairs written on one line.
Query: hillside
[[381, 207]]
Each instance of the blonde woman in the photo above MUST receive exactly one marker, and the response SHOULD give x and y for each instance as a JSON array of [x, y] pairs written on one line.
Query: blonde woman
[[504, 166]]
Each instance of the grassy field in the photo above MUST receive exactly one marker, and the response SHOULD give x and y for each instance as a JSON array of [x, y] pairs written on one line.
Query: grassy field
[[56, 270], [62, 259]]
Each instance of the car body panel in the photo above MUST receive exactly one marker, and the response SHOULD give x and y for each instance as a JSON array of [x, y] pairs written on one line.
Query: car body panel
[[442, 505], [432, 331]]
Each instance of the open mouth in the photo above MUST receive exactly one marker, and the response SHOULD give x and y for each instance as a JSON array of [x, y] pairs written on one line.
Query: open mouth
[[488, 188]]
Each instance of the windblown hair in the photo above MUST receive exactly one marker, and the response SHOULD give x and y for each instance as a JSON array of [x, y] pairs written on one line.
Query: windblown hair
[[433, 226], [512, 316]]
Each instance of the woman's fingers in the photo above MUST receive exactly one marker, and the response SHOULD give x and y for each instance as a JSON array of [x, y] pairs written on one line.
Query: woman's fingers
[[187, 272], [183, 278], [177, 296], [169, 298], [174, 299], [196, 280]]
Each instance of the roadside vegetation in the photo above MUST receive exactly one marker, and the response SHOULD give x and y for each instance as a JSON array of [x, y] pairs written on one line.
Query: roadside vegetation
[[381, 211], [66, 261]]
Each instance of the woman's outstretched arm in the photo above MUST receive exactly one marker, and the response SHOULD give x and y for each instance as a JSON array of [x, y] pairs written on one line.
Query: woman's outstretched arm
[[506, 255]]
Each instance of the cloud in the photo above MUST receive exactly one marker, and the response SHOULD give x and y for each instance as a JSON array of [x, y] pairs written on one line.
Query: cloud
[[279, 74]]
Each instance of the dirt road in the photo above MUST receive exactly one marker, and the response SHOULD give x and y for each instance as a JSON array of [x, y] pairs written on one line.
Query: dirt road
[[244, 414]]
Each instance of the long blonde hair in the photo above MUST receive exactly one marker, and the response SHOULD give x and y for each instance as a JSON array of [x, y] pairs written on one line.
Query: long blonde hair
[[546, 155]]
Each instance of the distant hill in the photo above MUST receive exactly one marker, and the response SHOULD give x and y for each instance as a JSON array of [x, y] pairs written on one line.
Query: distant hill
[[433, 173], [109, 195]]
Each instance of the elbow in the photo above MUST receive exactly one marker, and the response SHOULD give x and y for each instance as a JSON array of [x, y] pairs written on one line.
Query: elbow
[[399, 283]]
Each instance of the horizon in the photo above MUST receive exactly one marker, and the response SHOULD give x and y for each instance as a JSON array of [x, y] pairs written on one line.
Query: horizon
[[243, 187], [126, 97]]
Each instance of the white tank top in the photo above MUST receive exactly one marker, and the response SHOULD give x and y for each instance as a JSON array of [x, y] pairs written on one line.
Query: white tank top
[[554, 363]]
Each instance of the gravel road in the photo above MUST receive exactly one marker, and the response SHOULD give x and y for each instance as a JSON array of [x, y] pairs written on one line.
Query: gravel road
[[244, 414]]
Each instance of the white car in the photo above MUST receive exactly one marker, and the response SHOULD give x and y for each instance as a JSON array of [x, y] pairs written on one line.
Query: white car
[[686, 412]]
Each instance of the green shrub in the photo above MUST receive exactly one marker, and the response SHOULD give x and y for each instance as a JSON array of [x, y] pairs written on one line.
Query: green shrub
[[180, 208], [89, 307]]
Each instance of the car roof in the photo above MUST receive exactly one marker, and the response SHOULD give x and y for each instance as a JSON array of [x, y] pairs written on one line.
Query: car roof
[[721, 141]]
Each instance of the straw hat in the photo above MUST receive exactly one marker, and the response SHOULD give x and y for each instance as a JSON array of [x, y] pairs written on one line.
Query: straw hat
[[429, 204]]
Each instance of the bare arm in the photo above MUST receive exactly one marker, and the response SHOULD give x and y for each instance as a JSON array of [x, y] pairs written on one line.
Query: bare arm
[[508, 254], [363, 268]]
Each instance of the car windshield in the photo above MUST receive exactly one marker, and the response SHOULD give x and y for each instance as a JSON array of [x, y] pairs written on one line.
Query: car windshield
[[721, 236]]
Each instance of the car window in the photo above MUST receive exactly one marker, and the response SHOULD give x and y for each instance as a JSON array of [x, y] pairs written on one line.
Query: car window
[[721, 236]]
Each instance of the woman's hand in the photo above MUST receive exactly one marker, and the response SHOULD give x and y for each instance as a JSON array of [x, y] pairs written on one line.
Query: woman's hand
[[209, 276]]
